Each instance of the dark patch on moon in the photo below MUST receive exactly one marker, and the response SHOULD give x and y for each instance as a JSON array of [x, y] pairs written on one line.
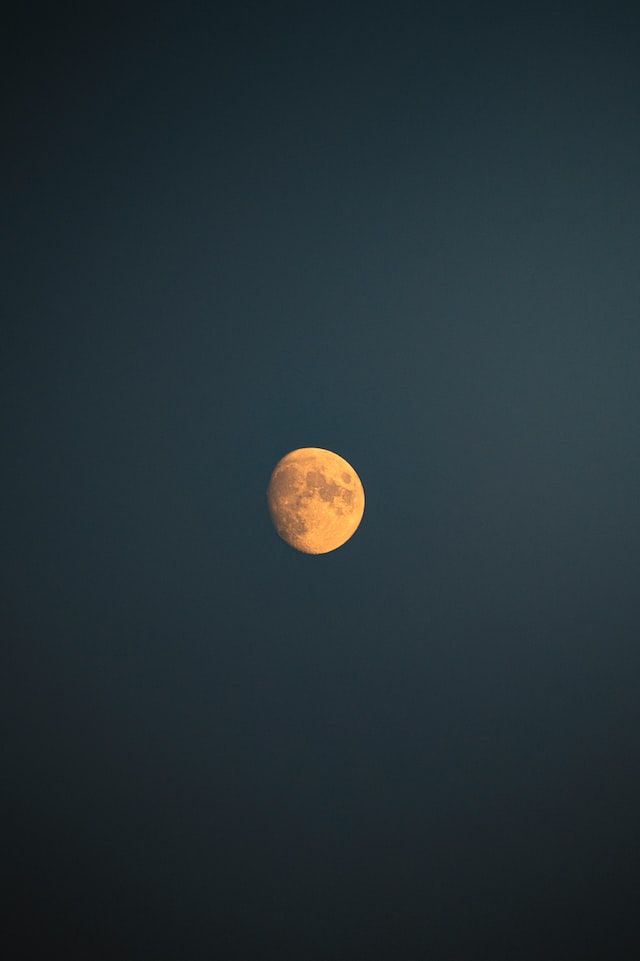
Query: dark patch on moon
[[316, 481]]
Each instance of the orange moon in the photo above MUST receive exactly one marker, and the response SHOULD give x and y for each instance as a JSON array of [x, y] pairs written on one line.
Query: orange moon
[[316, 500]]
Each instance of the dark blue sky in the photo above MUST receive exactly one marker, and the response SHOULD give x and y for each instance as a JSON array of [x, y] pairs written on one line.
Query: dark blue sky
[[409, 234]]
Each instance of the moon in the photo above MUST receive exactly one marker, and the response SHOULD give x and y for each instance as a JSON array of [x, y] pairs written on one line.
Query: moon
[[316, 500]]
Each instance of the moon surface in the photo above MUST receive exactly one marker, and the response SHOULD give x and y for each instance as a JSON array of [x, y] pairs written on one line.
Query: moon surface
[[316, 500]]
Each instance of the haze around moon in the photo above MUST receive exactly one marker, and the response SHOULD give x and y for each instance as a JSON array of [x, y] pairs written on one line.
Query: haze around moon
[[316, 500]]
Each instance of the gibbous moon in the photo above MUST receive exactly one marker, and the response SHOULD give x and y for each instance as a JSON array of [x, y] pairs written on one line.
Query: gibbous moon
[[316, 500]]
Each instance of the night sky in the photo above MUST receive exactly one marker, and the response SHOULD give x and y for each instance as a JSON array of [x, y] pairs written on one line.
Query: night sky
[[410, 234]]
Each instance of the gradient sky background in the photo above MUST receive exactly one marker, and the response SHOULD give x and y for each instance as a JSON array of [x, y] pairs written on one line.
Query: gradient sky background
[[404, 232]]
